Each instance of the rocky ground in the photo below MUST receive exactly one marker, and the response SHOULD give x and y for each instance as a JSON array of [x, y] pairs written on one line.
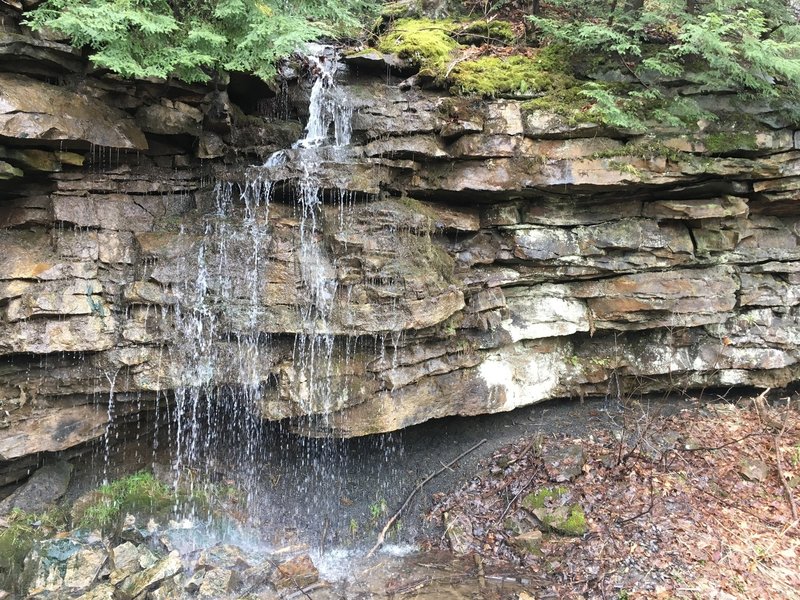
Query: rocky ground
[[657, 500], [698, 504]]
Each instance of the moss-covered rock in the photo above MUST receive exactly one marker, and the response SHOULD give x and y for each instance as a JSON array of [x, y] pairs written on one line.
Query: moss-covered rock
[[554, 511], [486, 32], [545, 72], [724, 142], [424, 42]]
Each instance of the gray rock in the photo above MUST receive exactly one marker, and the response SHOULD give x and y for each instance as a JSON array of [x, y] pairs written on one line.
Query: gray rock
[[83, 568], [170, 118], [218, 583], [223, 556], [754, 469], [458, 530], [563, 462], [151, 577], [103, 591], [42, 490]]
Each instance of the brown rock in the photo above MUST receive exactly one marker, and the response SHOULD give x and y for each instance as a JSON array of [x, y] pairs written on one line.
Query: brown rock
[[711, 208], [32, 109], [295, 572], [52, 431], [170, 118]]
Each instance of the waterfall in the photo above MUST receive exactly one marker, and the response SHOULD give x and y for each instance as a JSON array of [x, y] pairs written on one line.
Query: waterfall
[[224, 332]]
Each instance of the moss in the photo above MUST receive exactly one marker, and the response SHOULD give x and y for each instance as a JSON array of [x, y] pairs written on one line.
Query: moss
[[541, 497], [566, 519], [648, 149], [569, 102], [483, 32], [17, 538], [624, 167], [400, 8], [734, 141], [546, 72], [425, 42], [575, 523], [137, 493]]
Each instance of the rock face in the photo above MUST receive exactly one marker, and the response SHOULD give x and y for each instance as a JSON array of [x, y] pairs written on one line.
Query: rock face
[[469, 257]]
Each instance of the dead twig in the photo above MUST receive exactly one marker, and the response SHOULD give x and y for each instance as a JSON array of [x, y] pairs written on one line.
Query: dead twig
[[645, 511], [725, 445], [776, 440], [390, 522], [514, 499], [481, 573], [310, 588]]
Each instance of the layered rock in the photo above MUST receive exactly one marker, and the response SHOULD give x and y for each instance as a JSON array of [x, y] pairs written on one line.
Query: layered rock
[[478, 256]]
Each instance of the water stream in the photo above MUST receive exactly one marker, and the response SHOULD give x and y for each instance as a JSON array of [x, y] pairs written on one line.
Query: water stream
[[223, 333]]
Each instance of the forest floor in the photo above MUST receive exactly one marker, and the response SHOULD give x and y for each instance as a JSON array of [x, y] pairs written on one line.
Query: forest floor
[[699, 503]]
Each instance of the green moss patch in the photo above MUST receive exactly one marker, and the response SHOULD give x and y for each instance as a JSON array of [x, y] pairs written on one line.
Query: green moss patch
[[17, 539], [555, 513], [137, 493], [486, 32], [519, 74], [540, 498], [424, 42], [570, 103], [725, 142]]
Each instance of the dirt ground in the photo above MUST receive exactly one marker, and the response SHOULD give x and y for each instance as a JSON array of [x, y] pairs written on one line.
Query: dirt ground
[[699, 503]]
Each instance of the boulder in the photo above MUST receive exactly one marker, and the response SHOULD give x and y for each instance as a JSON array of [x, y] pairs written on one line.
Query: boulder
[[295, 572], [555, 512], [32, 109], [170, 118], [43, 489], [151, 577]]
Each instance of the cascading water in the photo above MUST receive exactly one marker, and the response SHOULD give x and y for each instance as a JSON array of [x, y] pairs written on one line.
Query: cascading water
[[225, 334]]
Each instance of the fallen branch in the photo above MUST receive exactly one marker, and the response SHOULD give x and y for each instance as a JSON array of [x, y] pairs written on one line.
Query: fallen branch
[[514, 499], [390, 522], [642, 513], [725, 445], [310, 588], [786, 487]]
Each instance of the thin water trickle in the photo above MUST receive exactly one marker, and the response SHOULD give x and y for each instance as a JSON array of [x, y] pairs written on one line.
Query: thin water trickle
[[233, 364]]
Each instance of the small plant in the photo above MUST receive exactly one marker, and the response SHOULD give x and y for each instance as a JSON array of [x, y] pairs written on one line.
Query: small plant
[[795, 457], [353, 527], [396, 529], [140, 492], [377, 509]]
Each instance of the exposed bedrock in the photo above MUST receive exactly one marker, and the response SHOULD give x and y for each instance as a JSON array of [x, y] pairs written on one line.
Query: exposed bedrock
[[478, 256]]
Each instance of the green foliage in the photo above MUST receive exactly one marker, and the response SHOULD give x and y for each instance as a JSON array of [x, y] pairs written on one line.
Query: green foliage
[[189, 40], [377, 509], [746, 46], [137, 493]]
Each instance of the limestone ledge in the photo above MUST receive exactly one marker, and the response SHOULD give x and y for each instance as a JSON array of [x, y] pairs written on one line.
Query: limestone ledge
[[471, 257]]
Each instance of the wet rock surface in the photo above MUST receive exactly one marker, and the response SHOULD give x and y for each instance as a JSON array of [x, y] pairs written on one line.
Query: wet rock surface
[[477, 256], [45, 487]]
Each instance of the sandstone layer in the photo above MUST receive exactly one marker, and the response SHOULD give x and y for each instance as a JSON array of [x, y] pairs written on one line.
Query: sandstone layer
[[478, 256]]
